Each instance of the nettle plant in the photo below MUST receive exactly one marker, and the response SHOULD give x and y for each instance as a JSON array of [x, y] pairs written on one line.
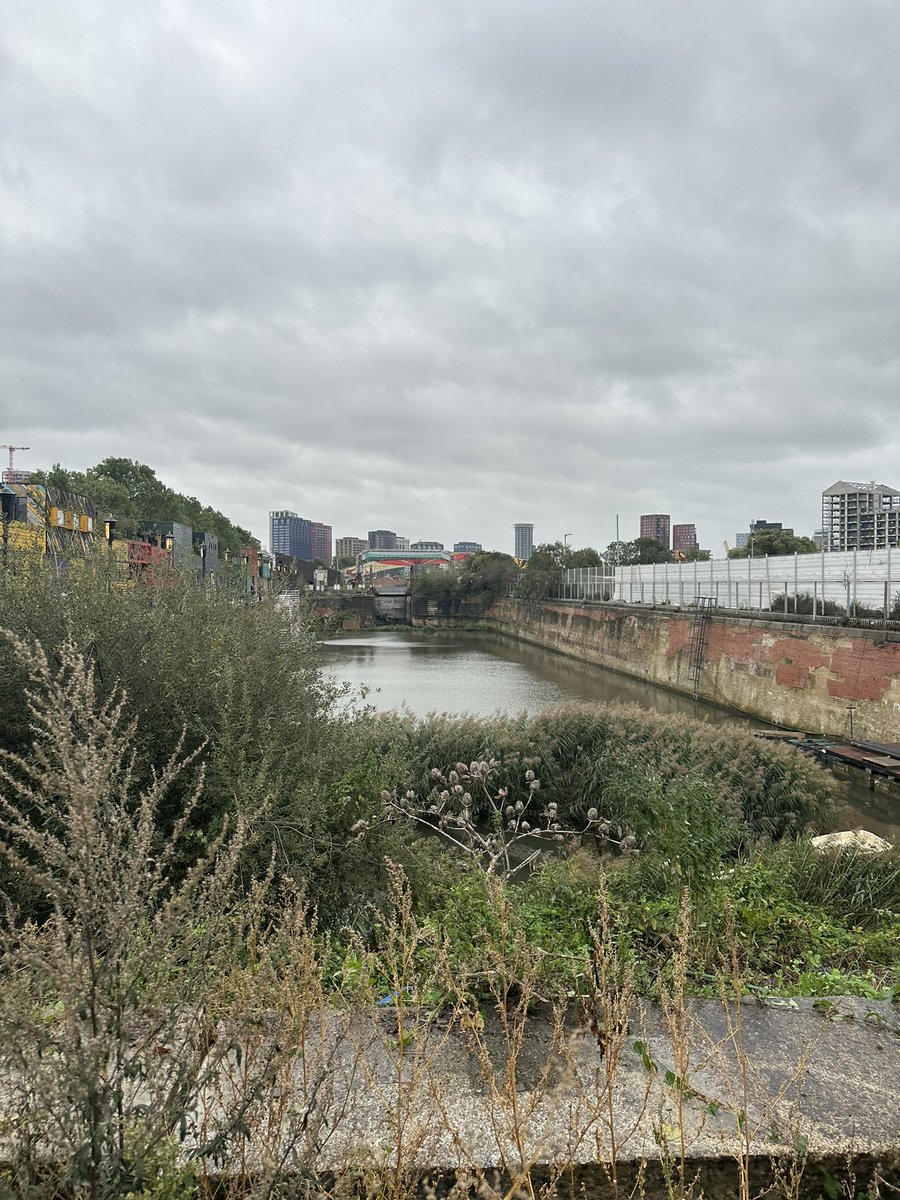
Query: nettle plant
[[511, 835]]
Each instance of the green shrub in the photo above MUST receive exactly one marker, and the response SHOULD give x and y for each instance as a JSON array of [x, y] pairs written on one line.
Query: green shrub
[[235, 681]]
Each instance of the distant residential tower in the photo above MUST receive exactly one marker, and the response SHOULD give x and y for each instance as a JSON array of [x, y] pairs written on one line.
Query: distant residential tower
[[349, 547], [524, 541], [290, 534], [684, 538], [321, 542], [656, 526], [860, 516], [382, 539]]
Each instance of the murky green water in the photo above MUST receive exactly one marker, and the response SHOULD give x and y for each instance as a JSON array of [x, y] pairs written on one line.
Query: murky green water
[[479, 674]]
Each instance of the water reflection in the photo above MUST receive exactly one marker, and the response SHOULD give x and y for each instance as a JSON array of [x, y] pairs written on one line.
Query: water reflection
[[481, 675]]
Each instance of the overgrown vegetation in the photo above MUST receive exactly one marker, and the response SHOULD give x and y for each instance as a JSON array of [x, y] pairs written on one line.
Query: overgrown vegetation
[[618, 758], [215, 869], [237, 684], [804, 603], [481, 578]]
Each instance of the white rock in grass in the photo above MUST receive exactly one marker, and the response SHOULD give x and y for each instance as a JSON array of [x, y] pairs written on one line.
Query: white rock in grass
[[852, 839]]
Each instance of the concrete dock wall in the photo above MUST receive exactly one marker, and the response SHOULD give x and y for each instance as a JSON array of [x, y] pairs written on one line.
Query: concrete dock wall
[[797, 675]]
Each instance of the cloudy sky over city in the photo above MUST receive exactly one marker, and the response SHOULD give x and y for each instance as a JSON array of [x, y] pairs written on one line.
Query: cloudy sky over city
[[439, 266]]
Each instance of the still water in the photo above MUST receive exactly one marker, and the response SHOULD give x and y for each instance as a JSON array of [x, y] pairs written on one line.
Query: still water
[[479, 674]]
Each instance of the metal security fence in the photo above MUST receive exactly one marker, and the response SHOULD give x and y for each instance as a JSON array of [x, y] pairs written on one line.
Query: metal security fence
[[584, 583], [851, 582]]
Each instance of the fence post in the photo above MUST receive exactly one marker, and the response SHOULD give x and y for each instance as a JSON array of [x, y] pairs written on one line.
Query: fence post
[[823, 577], [796, 585], [815, 597]]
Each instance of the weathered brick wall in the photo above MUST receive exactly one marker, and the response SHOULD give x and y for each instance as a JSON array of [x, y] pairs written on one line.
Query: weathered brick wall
[[356, 611], [797, 675]]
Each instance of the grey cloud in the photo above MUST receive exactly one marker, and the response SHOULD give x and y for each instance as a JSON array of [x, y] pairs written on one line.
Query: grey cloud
[[442, 267]]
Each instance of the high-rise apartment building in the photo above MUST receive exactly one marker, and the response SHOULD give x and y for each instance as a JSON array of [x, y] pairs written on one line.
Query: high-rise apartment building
[[321, 542], [349, 547], [656, 526], [382, 539], [524, 541], [684, 538], [401, 543], [290, 534], [860, 516], [467, 547]]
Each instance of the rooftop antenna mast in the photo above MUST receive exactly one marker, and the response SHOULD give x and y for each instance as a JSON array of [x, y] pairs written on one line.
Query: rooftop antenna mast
[[12, 450]]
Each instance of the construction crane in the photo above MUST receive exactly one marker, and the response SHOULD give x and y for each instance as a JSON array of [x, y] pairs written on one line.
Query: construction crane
[[12, 450]]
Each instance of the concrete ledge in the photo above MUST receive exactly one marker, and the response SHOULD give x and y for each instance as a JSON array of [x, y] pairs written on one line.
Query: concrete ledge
[[729, 1087]]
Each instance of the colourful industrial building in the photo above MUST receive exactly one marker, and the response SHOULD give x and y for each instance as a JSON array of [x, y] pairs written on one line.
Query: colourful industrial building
[[42, 521]]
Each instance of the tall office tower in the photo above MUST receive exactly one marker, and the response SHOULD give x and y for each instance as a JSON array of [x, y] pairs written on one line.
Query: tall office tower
[[382, 539], [656, 526], [349, 547], [684, 538], [524, 541], [290, 534], [860, 516], [321, 542]]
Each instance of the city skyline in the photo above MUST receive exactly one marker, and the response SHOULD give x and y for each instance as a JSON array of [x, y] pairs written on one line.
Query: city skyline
[[598, 260]]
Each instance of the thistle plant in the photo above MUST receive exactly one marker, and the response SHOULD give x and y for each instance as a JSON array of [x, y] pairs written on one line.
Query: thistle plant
[[109, 1032], [511, 835]]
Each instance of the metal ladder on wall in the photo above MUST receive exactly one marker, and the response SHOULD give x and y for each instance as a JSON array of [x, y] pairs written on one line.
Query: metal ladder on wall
[[704, 607]]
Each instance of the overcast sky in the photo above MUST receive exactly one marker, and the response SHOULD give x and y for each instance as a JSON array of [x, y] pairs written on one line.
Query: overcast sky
[[439, 266]]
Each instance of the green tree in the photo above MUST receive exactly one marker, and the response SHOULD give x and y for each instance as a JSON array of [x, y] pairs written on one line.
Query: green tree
[[131, 492], [586, 557], [641, 550], [543, 569], [773, 542], [483, 576]]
